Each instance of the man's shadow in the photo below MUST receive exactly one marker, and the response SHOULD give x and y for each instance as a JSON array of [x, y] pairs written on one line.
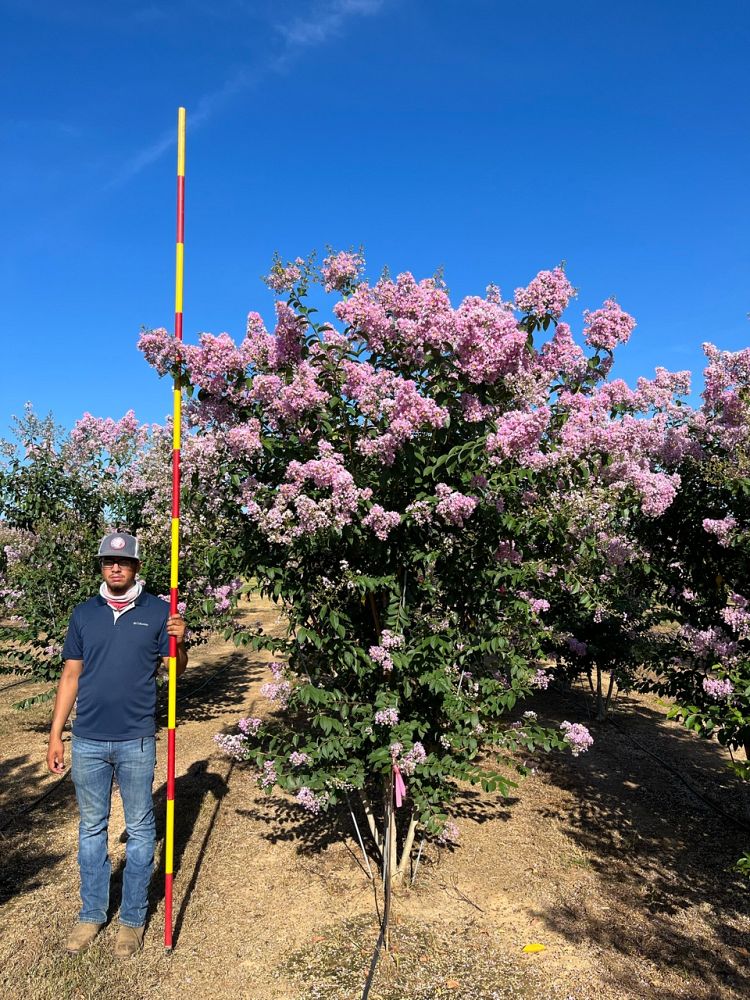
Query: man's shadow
[[190, 791]]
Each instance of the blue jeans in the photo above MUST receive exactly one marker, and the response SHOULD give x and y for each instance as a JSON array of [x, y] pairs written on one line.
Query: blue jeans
[[95, 764]]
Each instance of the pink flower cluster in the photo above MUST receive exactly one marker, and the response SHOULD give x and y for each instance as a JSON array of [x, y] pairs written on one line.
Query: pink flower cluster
[[518, 433], [548, 294], [297, 758], [409, 761], [381, 521], [450, 833], [287, 402], [215, 364], [617, 549], [287, 337], [250, 726], [92, 435], [391, 640], [410, 318], [607, 327], [710, 642], [341, 269], [294, 513], [487, 342], [540, 679], [282, 278], [244, 440], [279, 689], [737, 616], [719, 690], [268, 775], [577, 737], [474, 410], [404, 316], [161, 349], [393, 404], [636, 446], [381, 655], [223, 594], [453, 507], [507, 552], [386, 717], [726, 373], [722, 529], [561, 355], [538, 605], [234, 745], [310, 801], [420, 512]]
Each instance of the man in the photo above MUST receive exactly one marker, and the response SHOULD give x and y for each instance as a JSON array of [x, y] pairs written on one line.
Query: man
[[115, 644]]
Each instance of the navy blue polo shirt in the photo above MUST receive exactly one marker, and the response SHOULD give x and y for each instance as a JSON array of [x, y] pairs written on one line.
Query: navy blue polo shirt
[[117, 686]]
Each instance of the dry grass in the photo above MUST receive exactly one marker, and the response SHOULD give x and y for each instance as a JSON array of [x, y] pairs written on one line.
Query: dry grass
[[607, 860]]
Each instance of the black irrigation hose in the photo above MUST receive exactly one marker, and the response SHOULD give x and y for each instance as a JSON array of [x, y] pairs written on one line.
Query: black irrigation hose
[[35, 803], [26, 680], [707, 800], [736, 821], [374, 962]]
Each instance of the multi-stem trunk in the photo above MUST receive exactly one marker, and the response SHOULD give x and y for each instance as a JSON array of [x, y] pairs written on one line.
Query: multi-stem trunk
[[386, 834], [603, 702]]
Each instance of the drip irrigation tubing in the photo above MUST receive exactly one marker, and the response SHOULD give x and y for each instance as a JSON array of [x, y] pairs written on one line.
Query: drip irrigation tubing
[[706, 799], [53, 788], [715, 806], [32, 805], [26, 680]]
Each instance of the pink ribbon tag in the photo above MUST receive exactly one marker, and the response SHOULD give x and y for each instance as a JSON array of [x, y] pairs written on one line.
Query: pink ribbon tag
[[398, 786]]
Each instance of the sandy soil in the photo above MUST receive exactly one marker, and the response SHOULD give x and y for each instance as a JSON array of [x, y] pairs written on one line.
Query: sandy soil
[[610, 861]]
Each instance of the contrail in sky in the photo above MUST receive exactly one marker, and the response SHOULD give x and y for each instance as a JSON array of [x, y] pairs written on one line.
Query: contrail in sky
[[325, 19]]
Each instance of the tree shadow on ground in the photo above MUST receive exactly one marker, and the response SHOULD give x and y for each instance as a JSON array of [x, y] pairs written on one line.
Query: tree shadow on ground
[[287, 822], [481, 807], [663, 856], [207, 691], [26, 834], [191, 789]]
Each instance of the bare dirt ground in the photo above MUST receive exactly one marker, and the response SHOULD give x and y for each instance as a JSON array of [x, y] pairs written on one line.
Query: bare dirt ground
[[609, 860]]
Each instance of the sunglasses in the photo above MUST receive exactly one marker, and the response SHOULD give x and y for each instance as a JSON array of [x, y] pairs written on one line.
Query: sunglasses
[[121, 561]]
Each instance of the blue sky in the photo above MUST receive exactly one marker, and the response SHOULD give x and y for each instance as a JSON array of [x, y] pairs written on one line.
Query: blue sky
[[492, 139]]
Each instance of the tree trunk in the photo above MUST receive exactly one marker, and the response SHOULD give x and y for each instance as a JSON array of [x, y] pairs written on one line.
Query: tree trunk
[[371, 822], [406, 850], [599, 704]]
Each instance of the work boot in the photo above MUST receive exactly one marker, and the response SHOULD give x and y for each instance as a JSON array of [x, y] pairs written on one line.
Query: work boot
[[81, 937], [129, 940]]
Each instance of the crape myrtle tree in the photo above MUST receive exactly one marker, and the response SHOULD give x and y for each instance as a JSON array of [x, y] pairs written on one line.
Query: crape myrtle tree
[[606, 621], [59, 493], [703, 547], [397, 472], [50, 523]]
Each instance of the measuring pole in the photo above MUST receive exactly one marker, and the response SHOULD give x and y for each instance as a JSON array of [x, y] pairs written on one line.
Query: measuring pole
[[175, 551]]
